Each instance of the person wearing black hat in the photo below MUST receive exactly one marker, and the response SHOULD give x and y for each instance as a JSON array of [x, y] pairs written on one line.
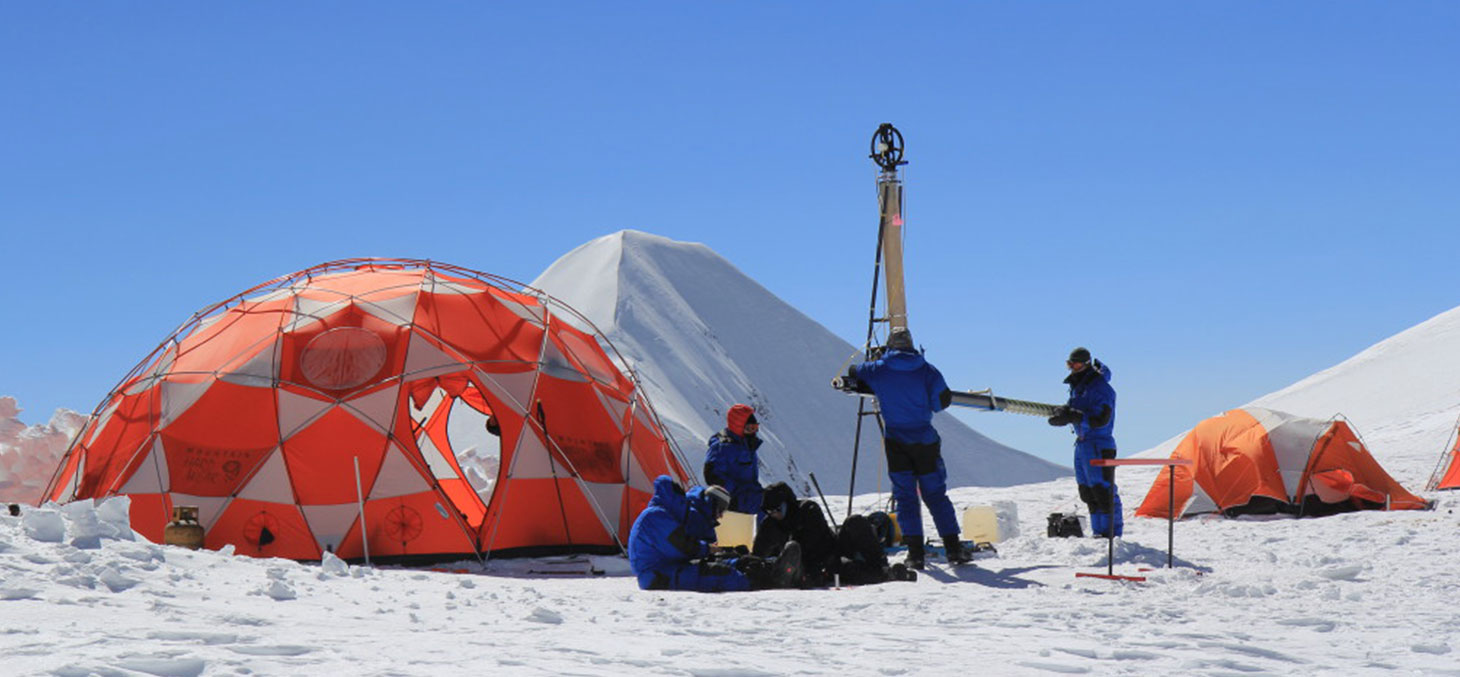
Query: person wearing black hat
[[1090, 412], [909, 391]]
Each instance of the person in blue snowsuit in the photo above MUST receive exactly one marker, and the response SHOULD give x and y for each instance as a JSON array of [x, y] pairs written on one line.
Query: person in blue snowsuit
[[731, 461], [671, 546], [1091, 412], [909, 391]]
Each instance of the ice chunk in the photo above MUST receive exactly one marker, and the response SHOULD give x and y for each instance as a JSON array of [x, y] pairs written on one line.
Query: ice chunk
[[117, 512], [279, 590], [116, 581], [44, 524], [332, 564]]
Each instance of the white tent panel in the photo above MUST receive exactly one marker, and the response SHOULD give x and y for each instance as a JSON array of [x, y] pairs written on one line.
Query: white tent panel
[[297, 411], [330, 523], [151, 477], [270, 483], [398, 477]]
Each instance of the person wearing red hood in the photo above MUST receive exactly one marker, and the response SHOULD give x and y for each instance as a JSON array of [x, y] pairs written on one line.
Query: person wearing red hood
[[731, 461]]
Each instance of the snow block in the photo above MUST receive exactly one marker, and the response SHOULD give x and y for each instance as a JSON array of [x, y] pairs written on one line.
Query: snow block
[[45, 525]]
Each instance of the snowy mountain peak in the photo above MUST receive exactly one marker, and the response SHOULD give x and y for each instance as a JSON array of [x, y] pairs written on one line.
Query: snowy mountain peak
[[702, 336]]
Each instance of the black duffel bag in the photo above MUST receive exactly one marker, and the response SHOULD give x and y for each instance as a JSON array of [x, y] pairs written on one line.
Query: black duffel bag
[[1065, 526]]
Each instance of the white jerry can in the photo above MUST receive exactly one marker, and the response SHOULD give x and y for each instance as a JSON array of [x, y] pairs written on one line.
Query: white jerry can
[[736, 528]]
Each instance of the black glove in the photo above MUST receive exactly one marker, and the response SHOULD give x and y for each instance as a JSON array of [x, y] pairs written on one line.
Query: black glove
[[1065, 415], [750, 565]]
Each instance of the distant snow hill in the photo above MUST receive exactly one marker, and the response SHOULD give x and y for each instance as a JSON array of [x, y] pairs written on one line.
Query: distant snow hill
[[702, 336], [29, 454], [1401, 394]]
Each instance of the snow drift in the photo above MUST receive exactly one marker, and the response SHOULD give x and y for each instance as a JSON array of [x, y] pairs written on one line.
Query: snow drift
[[703, 336]]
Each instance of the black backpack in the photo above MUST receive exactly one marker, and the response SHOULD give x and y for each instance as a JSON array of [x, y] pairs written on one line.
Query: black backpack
[[1065, 526]]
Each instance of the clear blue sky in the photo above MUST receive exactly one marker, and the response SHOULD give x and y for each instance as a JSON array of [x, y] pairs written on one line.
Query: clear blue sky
[[1217, 198]]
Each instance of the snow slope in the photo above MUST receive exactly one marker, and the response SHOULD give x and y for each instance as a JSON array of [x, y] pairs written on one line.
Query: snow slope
[[703, 335], [1402, 395]]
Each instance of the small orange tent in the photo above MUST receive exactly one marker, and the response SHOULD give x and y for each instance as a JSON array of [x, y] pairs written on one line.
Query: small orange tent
[[283, 411], [1259, 461], [1447, 472]]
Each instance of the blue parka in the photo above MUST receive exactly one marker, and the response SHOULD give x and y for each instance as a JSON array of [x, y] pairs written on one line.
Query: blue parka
[[731, 462], [908, 391], [674, 529], [1090, 392]]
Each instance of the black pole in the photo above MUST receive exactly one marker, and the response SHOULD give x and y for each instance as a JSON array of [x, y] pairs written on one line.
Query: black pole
[[1110, 541], [871, 333], [1110, 529], [1171, 516], [856, 447], [824, 504], [552, 466]]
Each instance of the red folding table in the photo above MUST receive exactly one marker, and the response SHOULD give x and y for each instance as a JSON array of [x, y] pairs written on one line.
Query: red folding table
[[1170, 463]]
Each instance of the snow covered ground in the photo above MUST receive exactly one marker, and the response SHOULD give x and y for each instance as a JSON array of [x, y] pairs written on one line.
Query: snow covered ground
[[1369, 593]]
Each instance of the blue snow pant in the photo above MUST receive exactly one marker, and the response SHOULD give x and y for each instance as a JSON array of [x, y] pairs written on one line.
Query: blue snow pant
[[1097, 485], [698, 576], [918, 468]]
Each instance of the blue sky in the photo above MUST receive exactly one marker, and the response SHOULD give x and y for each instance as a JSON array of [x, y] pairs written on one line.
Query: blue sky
[[1217, 198]]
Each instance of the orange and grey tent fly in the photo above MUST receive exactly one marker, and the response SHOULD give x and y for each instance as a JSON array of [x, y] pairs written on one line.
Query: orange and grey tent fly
[[283, 410], [1260, 461]]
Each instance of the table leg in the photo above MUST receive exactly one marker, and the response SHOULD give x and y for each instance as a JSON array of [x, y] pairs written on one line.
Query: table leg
[[1110, 529], [1170, 515]]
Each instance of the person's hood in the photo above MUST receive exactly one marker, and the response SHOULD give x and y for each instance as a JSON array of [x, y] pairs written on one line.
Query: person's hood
[[697, 499], [904, 360], [669, 495], [779, 493], [698, 507]]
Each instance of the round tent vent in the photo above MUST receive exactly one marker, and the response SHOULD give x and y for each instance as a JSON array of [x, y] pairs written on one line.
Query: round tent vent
[[343, 358]]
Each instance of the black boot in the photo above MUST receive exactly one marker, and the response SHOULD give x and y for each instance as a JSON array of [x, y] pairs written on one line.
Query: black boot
[[787, 566], [954, 548], [915, 553], [900, 572]]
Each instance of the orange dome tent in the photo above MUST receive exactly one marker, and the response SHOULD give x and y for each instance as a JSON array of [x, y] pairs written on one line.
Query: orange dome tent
[[282, 410], [1259, 461], [1447, 472]]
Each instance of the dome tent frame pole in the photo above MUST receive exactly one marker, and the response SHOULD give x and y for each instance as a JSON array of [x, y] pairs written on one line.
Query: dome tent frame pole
[[549, 445]]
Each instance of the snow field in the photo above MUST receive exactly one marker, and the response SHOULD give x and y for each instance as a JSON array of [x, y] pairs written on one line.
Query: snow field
[[1363, 593]]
